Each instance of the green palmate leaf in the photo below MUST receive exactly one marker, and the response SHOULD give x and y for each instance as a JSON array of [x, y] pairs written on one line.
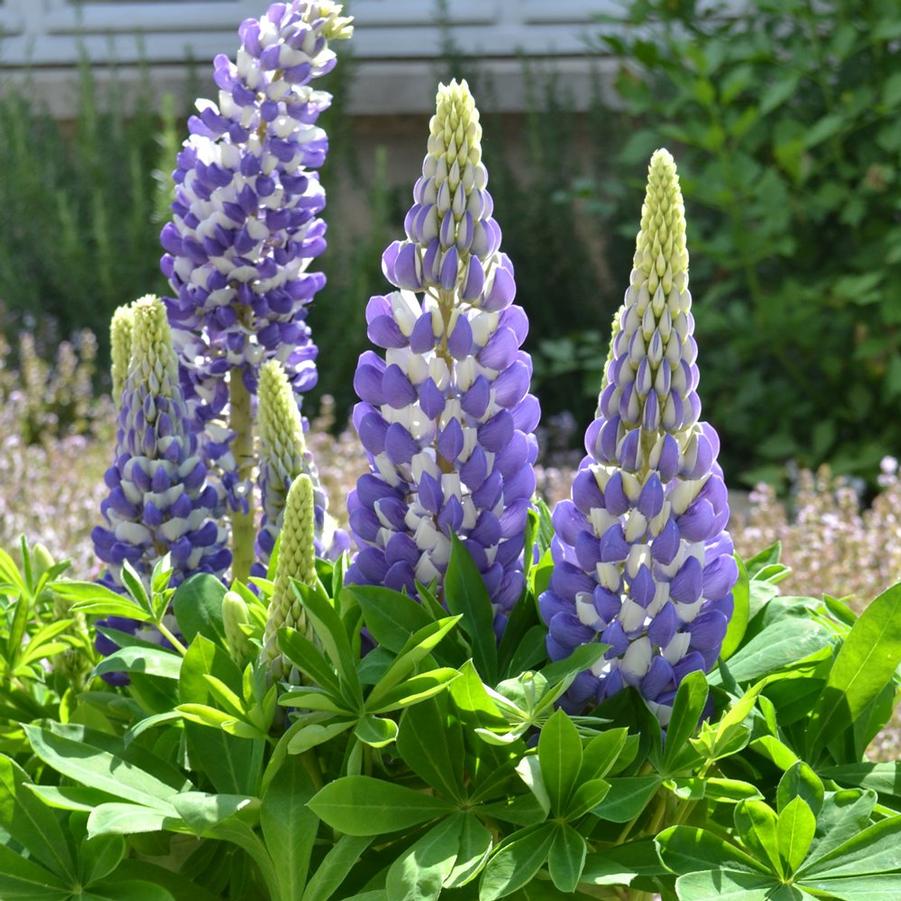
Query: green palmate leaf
[[627, 797], [29, 822], [757, 826], [99, 856], [197, 604], [587, 796], [132, 581], [865, 664], [124, 890], [684, 849], [307, 657], [472, 853], [622, 864], [120, 818], [566, 858], [515, 863], [376, 731], [99, 769], [149, 661], [24, 880], [437, 763], [843, 815], [876, 849], [729, 885], [687, 708], [390, 616], [91, 597], [560, 755], [335, 867], [601, 753], [884, 778], [780, 646], [800, 781], [289, 827], [876, 887], [794, 832], [177, 884], [70, 797], [361, 805], [465, 595], [413, 690], [419, 873], [316, 734]]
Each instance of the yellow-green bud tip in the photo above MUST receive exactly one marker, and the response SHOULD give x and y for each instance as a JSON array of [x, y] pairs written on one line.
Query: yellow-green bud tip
[[336, 27], [660, 251], [121, 331], [281, 429], [454, 131]]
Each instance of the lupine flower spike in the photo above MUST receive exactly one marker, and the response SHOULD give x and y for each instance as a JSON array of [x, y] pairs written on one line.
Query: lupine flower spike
[[445, 415], [296, 560], [159, 501], [642, 559], [121, 327], [283, 457], [244, 231]]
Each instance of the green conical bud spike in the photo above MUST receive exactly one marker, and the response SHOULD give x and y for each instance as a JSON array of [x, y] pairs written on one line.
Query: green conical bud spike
[[153, 361], [455, 134], [235, 615], [282, 444], [121, 329], [337, 27], [660, 251], [296, 560]]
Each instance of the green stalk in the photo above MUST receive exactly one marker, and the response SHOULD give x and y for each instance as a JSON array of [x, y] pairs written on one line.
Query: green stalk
[[241, 424]]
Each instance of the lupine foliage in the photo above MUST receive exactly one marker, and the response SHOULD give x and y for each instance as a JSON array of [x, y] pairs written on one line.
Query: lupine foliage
[[490, 699]]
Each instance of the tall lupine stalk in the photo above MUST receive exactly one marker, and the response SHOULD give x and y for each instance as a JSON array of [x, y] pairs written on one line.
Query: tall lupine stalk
[[296, 560], [283, 457], [445, 415], [244, 231], [642, 559], [159, 500]]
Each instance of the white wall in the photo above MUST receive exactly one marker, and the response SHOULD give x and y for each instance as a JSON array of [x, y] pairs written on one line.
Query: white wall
[[395, 45]]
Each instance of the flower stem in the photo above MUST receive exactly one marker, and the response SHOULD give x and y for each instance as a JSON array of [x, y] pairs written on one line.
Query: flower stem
[[241, 424]]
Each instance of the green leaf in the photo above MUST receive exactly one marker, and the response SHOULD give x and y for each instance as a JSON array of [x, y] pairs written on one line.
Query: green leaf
[[438, 763], [390, 616], [316, 734], [28, 821], [684, 849], [600, 754], [465, 594], [376, 731], [124, 890], [342, 857], [874, 850], [473, 851], [884, 778], [780, 646], [289, 827], [132, 581], [99, 856], [307, 657], [757, 827], [587, 796], [875, 887], [560, 755], [844, 814], [197, 605], [419, 873], [794, 832], [866, 662], [120, 818], [800, 781], [149, 661], [566, 858], [24, 880], [361, 805], [726, 885], [515, 863], [688, 705], [415, 689], [738, 622], [621, 864], [99, 769], [627, 797]]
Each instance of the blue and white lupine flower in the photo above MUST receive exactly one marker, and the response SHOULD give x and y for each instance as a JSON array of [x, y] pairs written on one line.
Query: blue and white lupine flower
[[283, 457], [159, 501], [445, 414], [642, 559]]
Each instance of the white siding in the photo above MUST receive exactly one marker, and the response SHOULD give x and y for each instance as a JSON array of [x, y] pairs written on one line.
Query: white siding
[[395, 45]]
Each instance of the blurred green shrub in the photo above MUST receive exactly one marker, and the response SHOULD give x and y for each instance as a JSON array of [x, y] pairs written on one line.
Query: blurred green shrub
[[78, 236], [785, 116]]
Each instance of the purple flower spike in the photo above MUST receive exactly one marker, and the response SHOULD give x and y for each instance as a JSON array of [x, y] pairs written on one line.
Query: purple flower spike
[[641, 557], [453, 428], [245, 222]]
